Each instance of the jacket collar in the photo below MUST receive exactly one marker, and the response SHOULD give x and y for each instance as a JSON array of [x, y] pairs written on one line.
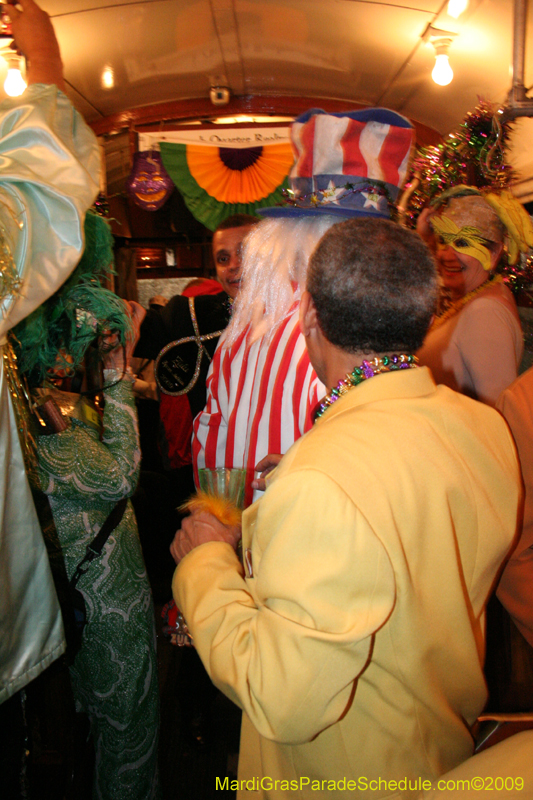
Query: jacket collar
[[397, 385]]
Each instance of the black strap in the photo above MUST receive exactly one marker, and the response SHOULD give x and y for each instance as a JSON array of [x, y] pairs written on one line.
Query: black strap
[[94, 548]]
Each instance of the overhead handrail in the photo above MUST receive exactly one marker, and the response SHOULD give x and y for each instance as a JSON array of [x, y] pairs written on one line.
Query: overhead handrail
[[518, 104]]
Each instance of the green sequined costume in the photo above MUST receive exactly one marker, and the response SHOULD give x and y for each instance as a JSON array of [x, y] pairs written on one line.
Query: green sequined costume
[[114, 675]]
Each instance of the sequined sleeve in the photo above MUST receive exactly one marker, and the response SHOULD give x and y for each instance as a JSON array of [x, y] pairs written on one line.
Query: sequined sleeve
[[75, 462]]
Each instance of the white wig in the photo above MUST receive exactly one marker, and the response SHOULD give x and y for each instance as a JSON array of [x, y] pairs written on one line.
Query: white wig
[[274, 268]]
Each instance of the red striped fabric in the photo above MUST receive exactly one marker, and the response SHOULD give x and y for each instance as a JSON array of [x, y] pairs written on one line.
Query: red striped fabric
[[354, 161], [391, 155], [259, 399], [305, 164], [393, 152], [242, 358], [302, 377], [268, 401]]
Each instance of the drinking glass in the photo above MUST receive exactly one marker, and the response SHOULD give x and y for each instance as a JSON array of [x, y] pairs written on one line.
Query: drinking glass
[[227, 482]]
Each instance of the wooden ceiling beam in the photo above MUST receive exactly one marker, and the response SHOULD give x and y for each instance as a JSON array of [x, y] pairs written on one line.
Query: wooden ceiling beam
[[202, 109]]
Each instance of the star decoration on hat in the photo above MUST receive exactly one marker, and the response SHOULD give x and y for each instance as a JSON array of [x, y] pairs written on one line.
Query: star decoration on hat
[[371, 200], [333, 193]]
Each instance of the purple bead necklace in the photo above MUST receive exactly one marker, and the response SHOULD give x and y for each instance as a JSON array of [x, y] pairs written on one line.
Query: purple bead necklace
[[367, 370]]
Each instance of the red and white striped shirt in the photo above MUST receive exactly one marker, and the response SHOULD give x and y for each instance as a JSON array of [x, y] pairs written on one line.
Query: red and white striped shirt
[[259, 400]]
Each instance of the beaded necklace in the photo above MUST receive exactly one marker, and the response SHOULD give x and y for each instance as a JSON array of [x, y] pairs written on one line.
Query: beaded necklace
[[367, 370], [457, 305]]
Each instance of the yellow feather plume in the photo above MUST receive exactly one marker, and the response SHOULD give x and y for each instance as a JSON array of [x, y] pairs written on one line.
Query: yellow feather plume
[[516, 220], [221, 508]]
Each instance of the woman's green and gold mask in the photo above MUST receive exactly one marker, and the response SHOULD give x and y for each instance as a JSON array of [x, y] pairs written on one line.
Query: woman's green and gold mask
[[467, 240]]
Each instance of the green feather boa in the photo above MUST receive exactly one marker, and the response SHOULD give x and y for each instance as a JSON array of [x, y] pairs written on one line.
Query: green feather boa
[[58, 333]]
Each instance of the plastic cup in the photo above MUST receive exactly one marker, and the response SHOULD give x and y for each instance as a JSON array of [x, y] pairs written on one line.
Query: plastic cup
[[227, 482]]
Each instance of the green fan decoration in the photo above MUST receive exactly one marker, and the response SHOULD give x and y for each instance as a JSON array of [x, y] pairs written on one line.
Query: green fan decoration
[[217, 182]]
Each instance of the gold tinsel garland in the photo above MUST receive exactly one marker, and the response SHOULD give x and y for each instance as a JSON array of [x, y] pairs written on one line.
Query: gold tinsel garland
[[10, 281], [22, 406]]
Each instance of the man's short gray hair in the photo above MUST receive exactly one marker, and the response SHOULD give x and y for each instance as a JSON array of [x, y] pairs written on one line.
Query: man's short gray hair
[[374, 286]]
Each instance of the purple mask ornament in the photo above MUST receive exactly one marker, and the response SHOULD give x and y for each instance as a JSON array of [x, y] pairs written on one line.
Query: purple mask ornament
[[149, 184]]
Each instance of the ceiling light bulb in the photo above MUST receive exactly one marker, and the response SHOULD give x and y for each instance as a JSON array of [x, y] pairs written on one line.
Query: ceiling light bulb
[[456, 7], [442, 72], [108, 78], [14, 84]]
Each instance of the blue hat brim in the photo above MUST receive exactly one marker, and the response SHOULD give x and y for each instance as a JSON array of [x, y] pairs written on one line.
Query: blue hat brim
[[297, 211]]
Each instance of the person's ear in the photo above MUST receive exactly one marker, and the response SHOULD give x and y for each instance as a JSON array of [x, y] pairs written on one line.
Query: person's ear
[[308, 315]]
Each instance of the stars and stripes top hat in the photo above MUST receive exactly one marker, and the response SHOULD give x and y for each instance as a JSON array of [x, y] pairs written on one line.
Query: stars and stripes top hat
[[350, 163]]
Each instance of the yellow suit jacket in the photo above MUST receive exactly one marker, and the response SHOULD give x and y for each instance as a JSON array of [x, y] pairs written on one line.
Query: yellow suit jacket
[[353, 637], [515, 589]]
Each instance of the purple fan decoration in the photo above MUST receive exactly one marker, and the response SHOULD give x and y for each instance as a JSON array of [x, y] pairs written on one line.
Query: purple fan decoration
[[149, 184]]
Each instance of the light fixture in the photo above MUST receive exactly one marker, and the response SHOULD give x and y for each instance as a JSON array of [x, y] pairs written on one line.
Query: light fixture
[[14, 84], [250, 119], [108, 77], [442, 72], [441, 41], [456, 7]]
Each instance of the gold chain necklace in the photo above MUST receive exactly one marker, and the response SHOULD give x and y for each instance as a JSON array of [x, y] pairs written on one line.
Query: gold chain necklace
[[457, 305]]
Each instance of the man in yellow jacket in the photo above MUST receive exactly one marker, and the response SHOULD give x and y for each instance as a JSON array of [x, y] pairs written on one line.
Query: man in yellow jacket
[[352, 635]]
